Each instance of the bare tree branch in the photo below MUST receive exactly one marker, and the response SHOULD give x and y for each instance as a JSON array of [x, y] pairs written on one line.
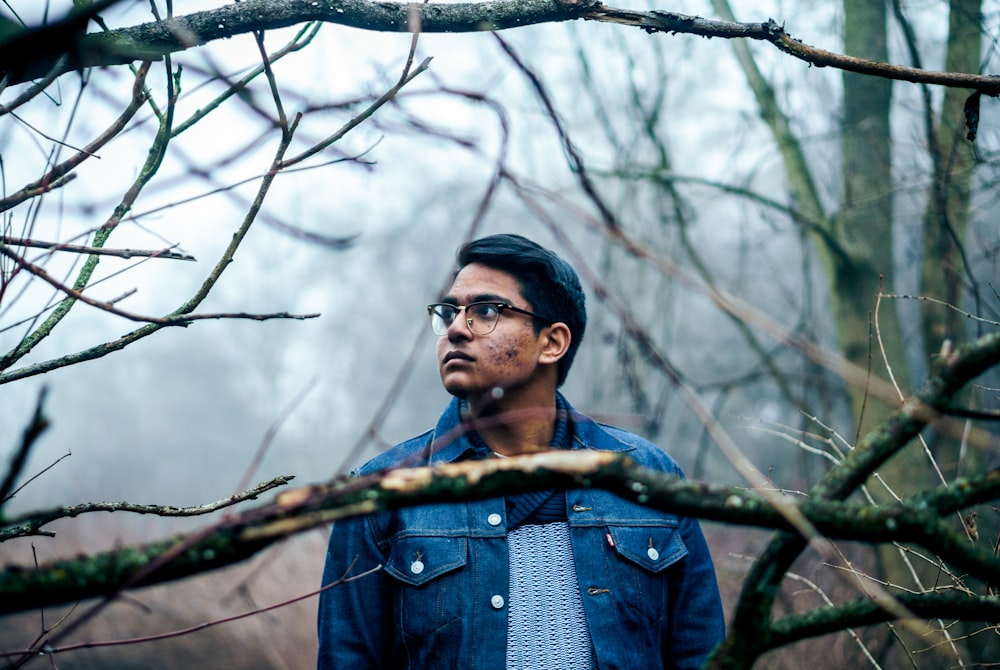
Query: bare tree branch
[[157, 39], [100, 251], [770, 31], [854, 614], [39, 423], [65, 648], [151, 165], [60, 174], [240, 536], [32, 523], [752, 617], [182, 319]]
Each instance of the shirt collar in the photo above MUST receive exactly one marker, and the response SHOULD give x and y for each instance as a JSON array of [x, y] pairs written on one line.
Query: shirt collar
[[451, 439]]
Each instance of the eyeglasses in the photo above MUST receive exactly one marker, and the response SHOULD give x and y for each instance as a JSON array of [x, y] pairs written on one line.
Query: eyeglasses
[[481, 317]]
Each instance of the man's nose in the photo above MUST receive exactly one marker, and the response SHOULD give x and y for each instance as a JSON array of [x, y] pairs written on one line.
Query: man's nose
[[460, 328]]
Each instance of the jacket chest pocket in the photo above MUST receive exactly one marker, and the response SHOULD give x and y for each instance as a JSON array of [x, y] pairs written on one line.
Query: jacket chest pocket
[[639, 569], [430, 581], [653, 549]]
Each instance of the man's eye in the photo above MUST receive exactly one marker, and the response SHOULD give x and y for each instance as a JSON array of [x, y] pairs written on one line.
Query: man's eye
[[446, 313], [484, 311]]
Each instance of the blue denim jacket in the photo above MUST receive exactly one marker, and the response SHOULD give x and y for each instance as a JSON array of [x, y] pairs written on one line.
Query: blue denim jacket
[[439, 602]]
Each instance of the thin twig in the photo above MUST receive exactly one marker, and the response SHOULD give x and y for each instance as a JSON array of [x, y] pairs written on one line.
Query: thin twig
[[59, 175], [38, 424], [826, 599], [30, 524], [272, 431], [943, 303], [197, 627], [100, 251], [170, 320], [39, 474]]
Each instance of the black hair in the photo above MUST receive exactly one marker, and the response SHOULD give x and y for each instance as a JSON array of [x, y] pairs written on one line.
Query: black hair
[[548, 282]]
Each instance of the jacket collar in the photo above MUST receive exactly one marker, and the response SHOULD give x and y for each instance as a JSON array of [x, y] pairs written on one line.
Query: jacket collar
[[449, 441]]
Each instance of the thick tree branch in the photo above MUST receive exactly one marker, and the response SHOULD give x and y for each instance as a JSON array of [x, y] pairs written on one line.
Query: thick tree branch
[[770, 31], [159, 38], [825, 620], [241, 536], [753, 612]]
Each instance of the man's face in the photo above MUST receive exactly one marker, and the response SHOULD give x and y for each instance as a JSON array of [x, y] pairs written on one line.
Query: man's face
[[495, 364]]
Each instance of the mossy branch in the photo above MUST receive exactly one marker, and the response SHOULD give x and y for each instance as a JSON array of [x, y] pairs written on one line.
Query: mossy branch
[[752, 617], [240, 536]]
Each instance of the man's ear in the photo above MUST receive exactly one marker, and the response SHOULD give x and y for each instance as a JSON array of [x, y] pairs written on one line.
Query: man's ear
[[555, 343]]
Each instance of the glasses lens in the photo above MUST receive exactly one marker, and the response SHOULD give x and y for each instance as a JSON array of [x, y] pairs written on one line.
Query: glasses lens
[[482, 317], [442, 317]]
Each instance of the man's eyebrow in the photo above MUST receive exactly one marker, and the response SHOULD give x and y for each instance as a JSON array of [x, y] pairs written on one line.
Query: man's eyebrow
[[482, 297]]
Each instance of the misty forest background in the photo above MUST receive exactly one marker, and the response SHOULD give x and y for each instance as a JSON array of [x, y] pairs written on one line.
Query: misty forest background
[[732, 210]]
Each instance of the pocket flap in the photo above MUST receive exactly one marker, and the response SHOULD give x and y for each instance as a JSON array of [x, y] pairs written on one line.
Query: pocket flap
[[652, 548], [418, 560]]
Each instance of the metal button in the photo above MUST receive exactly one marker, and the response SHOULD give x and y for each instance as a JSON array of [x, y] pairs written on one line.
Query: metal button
[[496, 601], [494, 520], [653, 554], [416, 567]]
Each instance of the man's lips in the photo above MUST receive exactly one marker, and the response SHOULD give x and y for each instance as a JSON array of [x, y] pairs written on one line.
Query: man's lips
[[456, 356]]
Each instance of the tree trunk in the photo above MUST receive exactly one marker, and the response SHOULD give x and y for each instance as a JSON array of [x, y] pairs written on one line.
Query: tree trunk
[[947, 212], [864, 223], [944, 271]]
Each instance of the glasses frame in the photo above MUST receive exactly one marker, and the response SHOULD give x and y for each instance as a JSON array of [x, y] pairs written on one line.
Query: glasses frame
[[499, 304]]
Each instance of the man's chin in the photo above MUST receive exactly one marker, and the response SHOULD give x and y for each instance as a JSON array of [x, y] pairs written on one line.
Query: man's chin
[[459, 390], [470, 392], [476, 397]]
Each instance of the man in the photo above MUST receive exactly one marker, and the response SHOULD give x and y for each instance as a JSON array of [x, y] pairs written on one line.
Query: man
[[549, 580]]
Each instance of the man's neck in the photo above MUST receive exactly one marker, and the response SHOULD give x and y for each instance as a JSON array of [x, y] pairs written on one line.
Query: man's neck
[[512, 429]]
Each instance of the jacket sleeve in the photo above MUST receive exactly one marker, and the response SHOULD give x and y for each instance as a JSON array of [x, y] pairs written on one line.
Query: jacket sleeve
[[697, 619], [354, 617]]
